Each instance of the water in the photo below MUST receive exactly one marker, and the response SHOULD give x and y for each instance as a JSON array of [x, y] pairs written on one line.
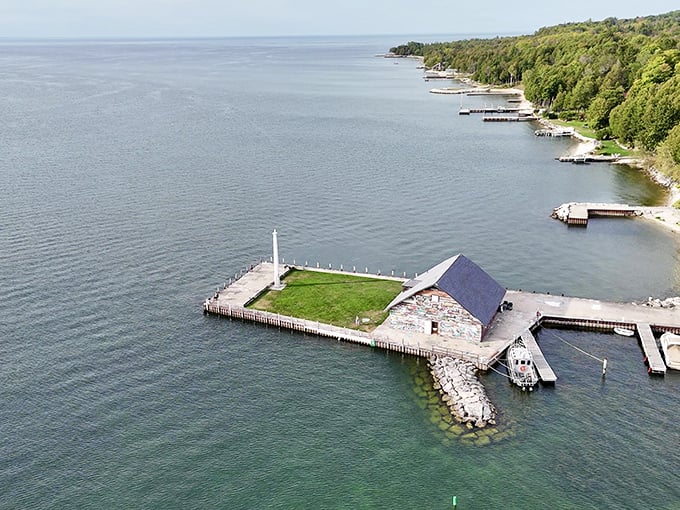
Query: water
[[137, 176]]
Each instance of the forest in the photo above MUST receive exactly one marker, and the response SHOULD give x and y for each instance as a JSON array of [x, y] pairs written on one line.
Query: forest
[[620, 76]]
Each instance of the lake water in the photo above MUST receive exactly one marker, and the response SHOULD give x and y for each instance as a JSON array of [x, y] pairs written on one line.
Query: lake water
[[137, 176]]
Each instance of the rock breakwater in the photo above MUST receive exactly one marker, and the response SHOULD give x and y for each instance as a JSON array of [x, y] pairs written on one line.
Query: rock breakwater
[[671, 302], [462, 391]]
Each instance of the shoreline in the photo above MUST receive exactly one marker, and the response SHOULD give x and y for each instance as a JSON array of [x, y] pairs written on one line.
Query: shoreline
[[665, 215]]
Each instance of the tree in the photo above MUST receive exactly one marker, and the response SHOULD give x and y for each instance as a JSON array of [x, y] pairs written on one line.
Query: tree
[[599, 110]]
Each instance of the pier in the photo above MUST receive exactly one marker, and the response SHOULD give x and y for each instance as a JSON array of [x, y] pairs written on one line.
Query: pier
[[490, 110], [554, 132], [588, 158], [529, 310], [649, 346], [544, 371], [578, 213], [512, 118]]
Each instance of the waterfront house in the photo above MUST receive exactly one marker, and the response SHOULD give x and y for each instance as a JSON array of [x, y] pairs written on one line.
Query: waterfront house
[[455, 299]]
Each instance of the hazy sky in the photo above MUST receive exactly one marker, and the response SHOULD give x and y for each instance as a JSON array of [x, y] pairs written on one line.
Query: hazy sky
[[208, 18]]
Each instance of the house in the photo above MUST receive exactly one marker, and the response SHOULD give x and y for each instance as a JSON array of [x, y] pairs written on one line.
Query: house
[[455, 299]]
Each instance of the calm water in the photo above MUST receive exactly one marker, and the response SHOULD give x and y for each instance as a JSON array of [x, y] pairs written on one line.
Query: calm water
[[137, 176]]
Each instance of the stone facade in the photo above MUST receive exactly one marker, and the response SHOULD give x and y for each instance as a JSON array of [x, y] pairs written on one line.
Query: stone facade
[[432, 311]]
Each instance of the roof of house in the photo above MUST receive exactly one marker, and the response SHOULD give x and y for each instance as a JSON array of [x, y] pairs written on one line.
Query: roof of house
[[464, 281]]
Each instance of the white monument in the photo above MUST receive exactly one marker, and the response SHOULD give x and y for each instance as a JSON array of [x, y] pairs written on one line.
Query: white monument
[[277, 279]]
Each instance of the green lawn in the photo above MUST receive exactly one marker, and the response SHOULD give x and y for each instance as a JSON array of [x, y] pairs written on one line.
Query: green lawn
[[607, 147], [331, 298]]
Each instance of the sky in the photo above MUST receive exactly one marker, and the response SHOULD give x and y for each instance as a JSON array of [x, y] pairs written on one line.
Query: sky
[[236, 18]]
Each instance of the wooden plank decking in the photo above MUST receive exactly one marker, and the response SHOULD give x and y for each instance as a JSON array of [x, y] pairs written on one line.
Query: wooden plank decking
[[544, 371], [652, 354]]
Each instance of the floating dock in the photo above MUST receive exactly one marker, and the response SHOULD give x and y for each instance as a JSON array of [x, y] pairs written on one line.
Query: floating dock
[[649, 346], [529, 310], [544, 371]]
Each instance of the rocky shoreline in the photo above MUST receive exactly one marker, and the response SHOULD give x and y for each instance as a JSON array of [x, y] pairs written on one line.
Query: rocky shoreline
[[462, 391], [671, 302]]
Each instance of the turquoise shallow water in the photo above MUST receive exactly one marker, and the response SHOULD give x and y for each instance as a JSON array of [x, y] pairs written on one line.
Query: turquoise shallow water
[[138, 176]]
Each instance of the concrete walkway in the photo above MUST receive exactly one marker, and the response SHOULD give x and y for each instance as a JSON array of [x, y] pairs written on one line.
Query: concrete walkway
[[249, 286]]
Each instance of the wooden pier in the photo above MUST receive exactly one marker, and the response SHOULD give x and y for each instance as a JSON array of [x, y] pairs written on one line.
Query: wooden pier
[[579, 213], [512, 118], [588, 158], [492, 110], [554, 132], [529, 310], [544, 371], [649, 346], [338, 333]]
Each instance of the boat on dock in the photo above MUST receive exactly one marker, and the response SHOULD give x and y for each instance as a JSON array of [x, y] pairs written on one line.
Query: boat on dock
[[670, 346], [623, 331], [521, 369]]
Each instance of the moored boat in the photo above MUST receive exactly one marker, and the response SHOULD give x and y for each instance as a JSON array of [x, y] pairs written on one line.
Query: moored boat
[[624, 331], [670, 346], [521, 369]]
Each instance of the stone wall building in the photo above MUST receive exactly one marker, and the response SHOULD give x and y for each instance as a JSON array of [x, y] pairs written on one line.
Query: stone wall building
[[455, 299]]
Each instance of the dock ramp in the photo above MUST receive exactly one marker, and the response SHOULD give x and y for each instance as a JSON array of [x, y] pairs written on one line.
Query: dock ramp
[[652, 354], [544, 371]]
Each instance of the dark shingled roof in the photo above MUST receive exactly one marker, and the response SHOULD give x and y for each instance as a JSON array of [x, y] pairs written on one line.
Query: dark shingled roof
[[465, 282]]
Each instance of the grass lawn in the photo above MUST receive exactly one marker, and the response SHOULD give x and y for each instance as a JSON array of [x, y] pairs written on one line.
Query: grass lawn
[[607, 147], [331, 298]]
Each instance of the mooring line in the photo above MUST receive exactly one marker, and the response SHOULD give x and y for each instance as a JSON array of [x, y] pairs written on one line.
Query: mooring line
[[499, 373], [578, 349]]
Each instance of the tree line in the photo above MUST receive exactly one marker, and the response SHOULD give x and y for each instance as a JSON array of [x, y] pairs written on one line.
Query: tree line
[[621, 76]]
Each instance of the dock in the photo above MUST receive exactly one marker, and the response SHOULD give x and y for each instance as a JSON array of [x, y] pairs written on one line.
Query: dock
[[578, 213], [554, 132], [529, 310], [491, 110], [544, 371], [588, 158], [512, 118], [650, 348]]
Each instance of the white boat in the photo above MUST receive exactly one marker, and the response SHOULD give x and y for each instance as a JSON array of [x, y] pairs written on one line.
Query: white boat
[[521, 367], [624, 331], [670, 346]]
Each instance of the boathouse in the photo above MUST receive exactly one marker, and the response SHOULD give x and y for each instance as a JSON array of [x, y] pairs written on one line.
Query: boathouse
[[455, 299]]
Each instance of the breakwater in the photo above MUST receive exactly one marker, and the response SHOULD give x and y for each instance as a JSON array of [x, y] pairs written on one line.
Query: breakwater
[[462, 391]]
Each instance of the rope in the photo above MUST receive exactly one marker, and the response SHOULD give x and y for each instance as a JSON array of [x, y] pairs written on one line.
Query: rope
[[499, 373], [579, 350]]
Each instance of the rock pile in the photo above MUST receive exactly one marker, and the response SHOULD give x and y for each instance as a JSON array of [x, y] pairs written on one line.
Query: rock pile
[[462, 391], [562, 212], [671, 302]]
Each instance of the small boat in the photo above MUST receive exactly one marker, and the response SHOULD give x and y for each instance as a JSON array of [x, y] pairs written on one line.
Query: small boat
[[670, 346], [521, 367], [624, 331], [464, 111]]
